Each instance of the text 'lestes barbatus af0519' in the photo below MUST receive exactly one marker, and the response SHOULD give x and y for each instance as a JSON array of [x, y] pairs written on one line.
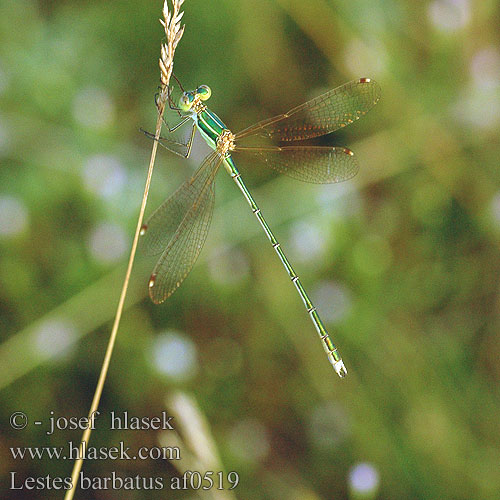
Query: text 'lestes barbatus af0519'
[[178, 228]]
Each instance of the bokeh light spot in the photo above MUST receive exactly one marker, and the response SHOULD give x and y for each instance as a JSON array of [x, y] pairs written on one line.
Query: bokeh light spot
[[340, 200], [478, 108], [449, 15], [54, 338], [174, 355], [365, 59], [332, 300], [93, 108], [104, 175], [364, 479], [107, 243], [307, 241], [13, 216], [485, 68]]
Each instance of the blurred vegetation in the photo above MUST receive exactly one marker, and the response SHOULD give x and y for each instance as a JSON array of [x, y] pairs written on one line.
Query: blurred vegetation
[[403, 261]]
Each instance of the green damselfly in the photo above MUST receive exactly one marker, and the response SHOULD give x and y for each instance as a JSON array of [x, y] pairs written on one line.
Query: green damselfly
[[178, 228]]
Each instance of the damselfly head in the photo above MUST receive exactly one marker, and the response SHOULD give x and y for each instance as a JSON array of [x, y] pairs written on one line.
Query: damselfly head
[[192, 100], [186, 100]]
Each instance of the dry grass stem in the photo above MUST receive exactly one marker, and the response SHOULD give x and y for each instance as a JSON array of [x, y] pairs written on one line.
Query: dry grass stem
[[193, 436], [173, 32]]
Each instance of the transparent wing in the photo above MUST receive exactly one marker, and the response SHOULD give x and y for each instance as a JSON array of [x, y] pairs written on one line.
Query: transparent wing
[[324, 114], [180, 227], [319, 164], [163, 223]]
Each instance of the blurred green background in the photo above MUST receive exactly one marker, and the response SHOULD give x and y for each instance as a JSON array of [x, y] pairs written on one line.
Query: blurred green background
[[402, 262]]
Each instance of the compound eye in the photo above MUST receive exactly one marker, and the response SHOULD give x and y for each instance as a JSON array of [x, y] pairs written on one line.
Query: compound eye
[[204, 92], [185, 101]]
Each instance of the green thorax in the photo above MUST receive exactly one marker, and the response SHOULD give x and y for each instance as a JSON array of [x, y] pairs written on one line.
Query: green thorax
[[210, 126]]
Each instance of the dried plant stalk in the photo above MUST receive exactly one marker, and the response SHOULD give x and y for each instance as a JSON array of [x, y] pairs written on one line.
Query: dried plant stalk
[[173, 32]]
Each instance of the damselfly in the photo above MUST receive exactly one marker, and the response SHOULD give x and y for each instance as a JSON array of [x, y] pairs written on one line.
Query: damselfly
[[178, 228]]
